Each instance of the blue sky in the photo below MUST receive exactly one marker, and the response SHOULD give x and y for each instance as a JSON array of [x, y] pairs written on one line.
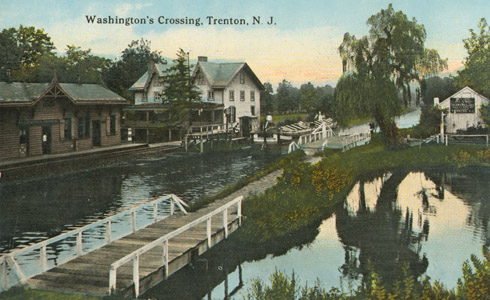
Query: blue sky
[[301, 47]]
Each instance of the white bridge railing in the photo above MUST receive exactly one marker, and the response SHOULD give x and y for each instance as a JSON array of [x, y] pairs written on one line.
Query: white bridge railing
[[11, 263], [354, 140], [164, 242], [320, 133]]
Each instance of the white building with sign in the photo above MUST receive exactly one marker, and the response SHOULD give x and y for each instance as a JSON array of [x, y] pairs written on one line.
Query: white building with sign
[[462, 110]]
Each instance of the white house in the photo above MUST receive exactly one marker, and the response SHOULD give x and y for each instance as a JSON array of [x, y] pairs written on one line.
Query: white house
[[462, 110], [148, 88], [234, 85]]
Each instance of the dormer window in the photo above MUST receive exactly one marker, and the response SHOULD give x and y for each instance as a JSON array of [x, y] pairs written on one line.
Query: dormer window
[[200, 79], [242, 78]]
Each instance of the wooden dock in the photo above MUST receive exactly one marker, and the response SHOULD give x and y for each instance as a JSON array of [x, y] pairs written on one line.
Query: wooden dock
[[136, 262]]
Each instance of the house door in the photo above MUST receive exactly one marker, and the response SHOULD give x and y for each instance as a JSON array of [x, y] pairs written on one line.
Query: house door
[[96, 133], [24, 141], [46, 139]]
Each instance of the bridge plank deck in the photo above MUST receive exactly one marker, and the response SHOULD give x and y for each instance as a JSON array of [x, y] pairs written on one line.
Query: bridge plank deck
[[89, 273]]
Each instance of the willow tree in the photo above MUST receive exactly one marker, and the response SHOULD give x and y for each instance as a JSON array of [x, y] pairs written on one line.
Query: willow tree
[[388, 59]]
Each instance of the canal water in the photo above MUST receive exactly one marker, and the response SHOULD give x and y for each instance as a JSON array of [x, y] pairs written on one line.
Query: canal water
[[34, 209], [431, 221]]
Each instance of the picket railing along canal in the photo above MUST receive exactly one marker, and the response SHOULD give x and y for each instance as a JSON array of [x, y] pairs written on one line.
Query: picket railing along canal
[[19, 265]]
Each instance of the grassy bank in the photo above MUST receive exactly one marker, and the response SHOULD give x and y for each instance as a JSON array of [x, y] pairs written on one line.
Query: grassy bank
[[306, 193]]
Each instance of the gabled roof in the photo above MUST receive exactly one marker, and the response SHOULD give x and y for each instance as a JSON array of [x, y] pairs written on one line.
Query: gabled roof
[[220, 75], [19, 93], [465, 89], [145, 79]]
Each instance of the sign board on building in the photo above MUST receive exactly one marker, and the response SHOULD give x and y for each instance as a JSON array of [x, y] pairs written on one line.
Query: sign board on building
[[463, 105]]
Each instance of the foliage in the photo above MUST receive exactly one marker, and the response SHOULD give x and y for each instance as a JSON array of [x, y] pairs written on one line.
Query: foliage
[[287, 97], [476, 73], [22, 49], [21, 293], [429, 123], [267, 104], [435, 86], [485, 114], [378, 66], [178, 85], [132, 64]]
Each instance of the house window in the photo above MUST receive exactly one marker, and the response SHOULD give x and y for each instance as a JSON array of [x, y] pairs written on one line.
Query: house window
[[113, 125], [23, 134], [67, 129], [252, 110], [232, 95], [210, 95], [242, 95], [84, 126], [252, 95], [200, 79], [242, 78], [157, 96], [145, 97]]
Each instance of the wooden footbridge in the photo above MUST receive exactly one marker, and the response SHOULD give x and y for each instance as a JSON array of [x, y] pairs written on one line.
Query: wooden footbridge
[[126, 253]]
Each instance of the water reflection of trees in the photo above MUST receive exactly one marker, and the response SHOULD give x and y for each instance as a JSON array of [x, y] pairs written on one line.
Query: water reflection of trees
[[472, 186], [383, 238]]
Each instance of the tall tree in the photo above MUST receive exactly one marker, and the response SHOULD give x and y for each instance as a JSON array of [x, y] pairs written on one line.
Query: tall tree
[[436, 87], [388, 59], [178, 85], [287, 97], [308, 96], [132, 64], [476, 71], [267, 103]]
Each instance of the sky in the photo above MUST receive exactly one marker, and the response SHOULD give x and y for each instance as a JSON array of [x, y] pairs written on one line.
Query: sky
[[301, 44]]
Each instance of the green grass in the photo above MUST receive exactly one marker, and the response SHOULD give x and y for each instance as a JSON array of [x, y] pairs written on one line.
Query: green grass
[[20, 293]]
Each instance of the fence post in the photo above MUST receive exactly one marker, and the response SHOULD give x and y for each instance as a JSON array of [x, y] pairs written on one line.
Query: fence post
[[487, 139], [172, 206], [155, 211], [136, 276], [239, 212], [133, 220], [79, 243], [208, 229], [225, 221], [43, 257], [447, 142], [112, 280], [165, 257], [4, 275], [108, 231]]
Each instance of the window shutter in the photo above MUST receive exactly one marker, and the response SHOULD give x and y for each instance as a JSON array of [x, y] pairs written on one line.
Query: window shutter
[[108, 125], [62, 129], [73, 126]]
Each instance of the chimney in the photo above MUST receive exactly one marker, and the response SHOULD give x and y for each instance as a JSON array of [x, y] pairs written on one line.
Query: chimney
[[436, 101], [151, 66], [202, 58]]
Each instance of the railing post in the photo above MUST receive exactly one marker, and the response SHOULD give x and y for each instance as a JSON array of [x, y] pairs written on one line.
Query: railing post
[[208, 229], [4, 276], [112, 280], [79, 243], [239, 212], [136, 276], [108, 231], [43, 257], [172, 206], [155, 211], [165, 257], [225, 221], [133, 220]]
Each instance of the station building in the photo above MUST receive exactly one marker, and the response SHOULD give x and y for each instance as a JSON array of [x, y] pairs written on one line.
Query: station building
[[43, 118]]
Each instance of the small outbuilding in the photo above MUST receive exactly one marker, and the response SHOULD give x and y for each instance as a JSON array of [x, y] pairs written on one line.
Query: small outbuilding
[[462, 110]]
